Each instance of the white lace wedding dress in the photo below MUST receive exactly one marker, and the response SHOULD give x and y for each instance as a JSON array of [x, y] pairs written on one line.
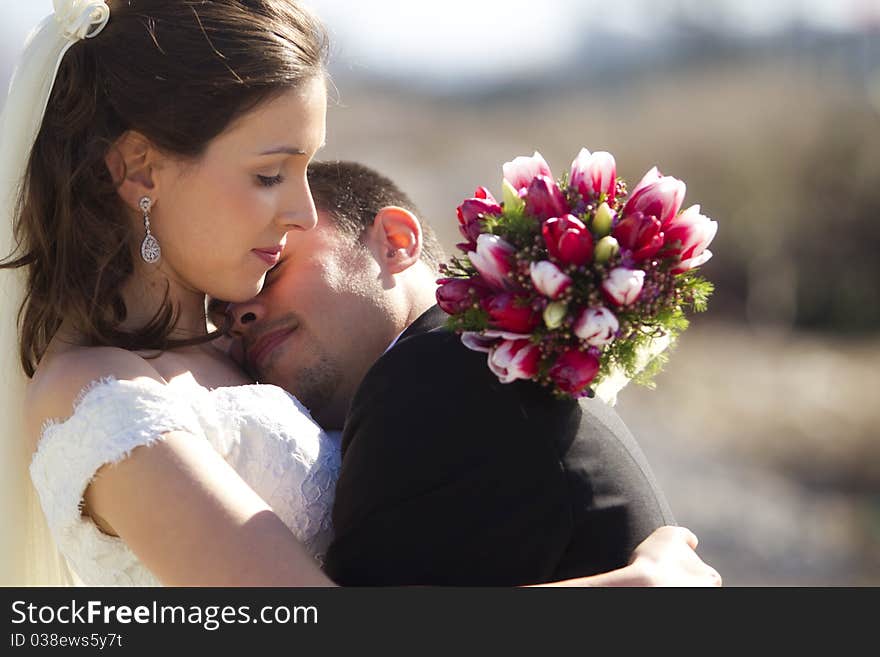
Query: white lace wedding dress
[[265, 434]]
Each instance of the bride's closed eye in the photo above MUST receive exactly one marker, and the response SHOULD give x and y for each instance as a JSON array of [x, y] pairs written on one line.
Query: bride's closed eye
[[270, 181]]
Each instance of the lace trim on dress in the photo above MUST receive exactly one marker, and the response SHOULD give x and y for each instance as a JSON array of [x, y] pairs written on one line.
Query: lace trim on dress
[[110, 419]]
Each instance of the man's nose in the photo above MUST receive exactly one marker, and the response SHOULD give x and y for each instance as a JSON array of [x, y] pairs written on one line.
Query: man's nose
[[243, 315]]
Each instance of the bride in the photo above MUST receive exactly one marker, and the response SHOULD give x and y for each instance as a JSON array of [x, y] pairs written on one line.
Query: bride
[[162, 170], [153, 152]]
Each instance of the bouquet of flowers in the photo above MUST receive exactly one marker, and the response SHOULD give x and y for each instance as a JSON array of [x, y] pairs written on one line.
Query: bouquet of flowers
[[576, 284]]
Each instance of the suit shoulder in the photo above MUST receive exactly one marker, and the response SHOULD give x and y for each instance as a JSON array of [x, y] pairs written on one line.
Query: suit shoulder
[[429, 355]]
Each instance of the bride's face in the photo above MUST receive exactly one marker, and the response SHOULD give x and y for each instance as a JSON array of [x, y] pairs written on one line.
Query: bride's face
[[221, 221]]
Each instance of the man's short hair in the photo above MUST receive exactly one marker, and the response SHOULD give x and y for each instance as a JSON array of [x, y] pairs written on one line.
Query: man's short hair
[[352, 194]]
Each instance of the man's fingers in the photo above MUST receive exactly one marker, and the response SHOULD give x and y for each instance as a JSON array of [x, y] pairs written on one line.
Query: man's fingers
[[689, 537]]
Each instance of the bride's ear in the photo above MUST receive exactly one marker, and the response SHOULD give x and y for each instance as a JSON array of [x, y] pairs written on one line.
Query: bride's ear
[[398, 237], [131, 161]]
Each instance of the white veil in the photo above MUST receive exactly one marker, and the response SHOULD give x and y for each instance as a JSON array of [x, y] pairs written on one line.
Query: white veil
[[27, 553]]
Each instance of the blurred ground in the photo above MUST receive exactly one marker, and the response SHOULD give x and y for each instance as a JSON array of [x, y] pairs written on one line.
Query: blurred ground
[[767, 446]]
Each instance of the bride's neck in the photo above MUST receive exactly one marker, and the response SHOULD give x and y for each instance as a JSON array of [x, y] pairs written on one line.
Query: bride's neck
[[145, 292]]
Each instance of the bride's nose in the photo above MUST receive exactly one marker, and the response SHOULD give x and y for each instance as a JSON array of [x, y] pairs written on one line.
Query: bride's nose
[[243, 315]]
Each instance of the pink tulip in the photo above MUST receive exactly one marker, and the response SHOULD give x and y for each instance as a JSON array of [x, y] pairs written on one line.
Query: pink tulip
[[656, 195], [549, 280], [544, 199], [455, 295], [640, 234], [623, 286], [568, 240], [472, 210], [485, 341], [522, 170], [514, 359], [596, 326], [510, 312], [687, 236], [594, 174], [574, 370], [492, 259]]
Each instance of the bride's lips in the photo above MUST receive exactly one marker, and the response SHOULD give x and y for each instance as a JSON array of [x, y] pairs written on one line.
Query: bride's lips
[[270, 255], [265, 344]]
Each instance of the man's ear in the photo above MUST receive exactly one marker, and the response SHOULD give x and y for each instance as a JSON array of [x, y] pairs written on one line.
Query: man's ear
[[131, 161], [398, 237]]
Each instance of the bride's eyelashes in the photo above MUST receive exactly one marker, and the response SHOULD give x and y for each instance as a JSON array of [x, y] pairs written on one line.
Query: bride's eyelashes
[[270, 181]]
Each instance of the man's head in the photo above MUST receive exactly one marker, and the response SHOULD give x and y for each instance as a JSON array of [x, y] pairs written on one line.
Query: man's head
[[342, 291]]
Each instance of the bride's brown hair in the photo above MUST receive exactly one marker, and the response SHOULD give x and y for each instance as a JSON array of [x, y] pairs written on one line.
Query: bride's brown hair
[[178, 72]]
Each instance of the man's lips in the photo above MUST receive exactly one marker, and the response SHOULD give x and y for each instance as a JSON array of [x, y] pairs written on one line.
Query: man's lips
[[261, 348]]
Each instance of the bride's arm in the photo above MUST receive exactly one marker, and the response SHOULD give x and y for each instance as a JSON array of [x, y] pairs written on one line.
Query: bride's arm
[[193, 521], [185, 512]]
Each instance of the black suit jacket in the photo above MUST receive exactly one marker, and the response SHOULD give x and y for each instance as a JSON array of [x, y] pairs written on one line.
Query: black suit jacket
[[450, 477]]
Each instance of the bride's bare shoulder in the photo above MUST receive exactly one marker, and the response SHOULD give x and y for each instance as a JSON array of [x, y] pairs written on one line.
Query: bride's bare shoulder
[[62, 376]]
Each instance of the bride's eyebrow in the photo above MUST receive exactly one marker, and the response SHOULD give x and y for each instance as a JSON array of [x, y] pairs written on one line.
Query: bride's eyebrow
[[287, 150]]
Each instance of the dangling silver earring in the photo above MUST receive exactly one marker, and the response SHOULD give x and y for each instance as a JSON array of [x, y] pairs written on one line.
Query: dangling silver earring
[[150, 249]]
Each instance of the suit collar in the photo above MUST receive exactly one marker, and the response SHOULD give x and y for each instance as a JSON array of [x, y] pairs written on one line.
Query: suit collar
[[431, 319]]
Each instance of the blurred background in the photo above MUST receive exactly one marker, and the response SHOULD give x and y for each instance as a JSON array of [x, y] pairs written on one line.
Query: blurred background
[[763, 430]]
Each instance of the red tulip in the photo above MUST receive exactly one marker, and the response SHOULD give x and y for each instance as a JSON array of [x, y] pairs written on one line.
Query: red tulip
[[640, 234], [455, 295], [594, 174], [522, 170], [472, 210], [656, 195], [568, 240], [514, 359], [492, 259], [574, 370], [623, 286], [510, 312], [544, 199], [687, 237]]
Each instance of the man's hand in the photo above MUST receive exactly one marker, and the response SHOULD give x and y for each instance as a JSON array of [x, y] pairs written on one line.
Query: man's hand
[[668, 558]]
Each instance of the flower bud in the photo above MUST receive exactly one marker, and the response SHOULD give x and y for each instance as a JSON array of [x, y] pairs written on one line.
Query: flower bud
[[606, 248], [596, 326], [574, 370], [549, 279], [554, 314], [544, 199], [603, 220], [509, 312], [568, 240], [514, 359], [492, 259], [511, 198], [522, 170], [594, 174], [623, 286]]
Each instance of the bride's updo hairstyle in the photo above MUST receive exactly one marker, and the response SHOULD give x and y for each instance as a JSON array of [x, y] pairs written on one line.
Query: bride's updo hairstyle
[[177, 71]]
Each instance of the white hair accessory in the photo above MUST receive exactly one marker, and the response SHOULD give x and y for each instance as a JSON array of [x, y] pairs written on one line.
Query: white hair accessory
[[81, 19]]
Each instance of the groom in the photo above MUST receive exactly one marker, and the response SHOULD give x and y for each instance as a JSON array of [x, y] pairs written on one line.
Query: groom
[[448, 476]]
